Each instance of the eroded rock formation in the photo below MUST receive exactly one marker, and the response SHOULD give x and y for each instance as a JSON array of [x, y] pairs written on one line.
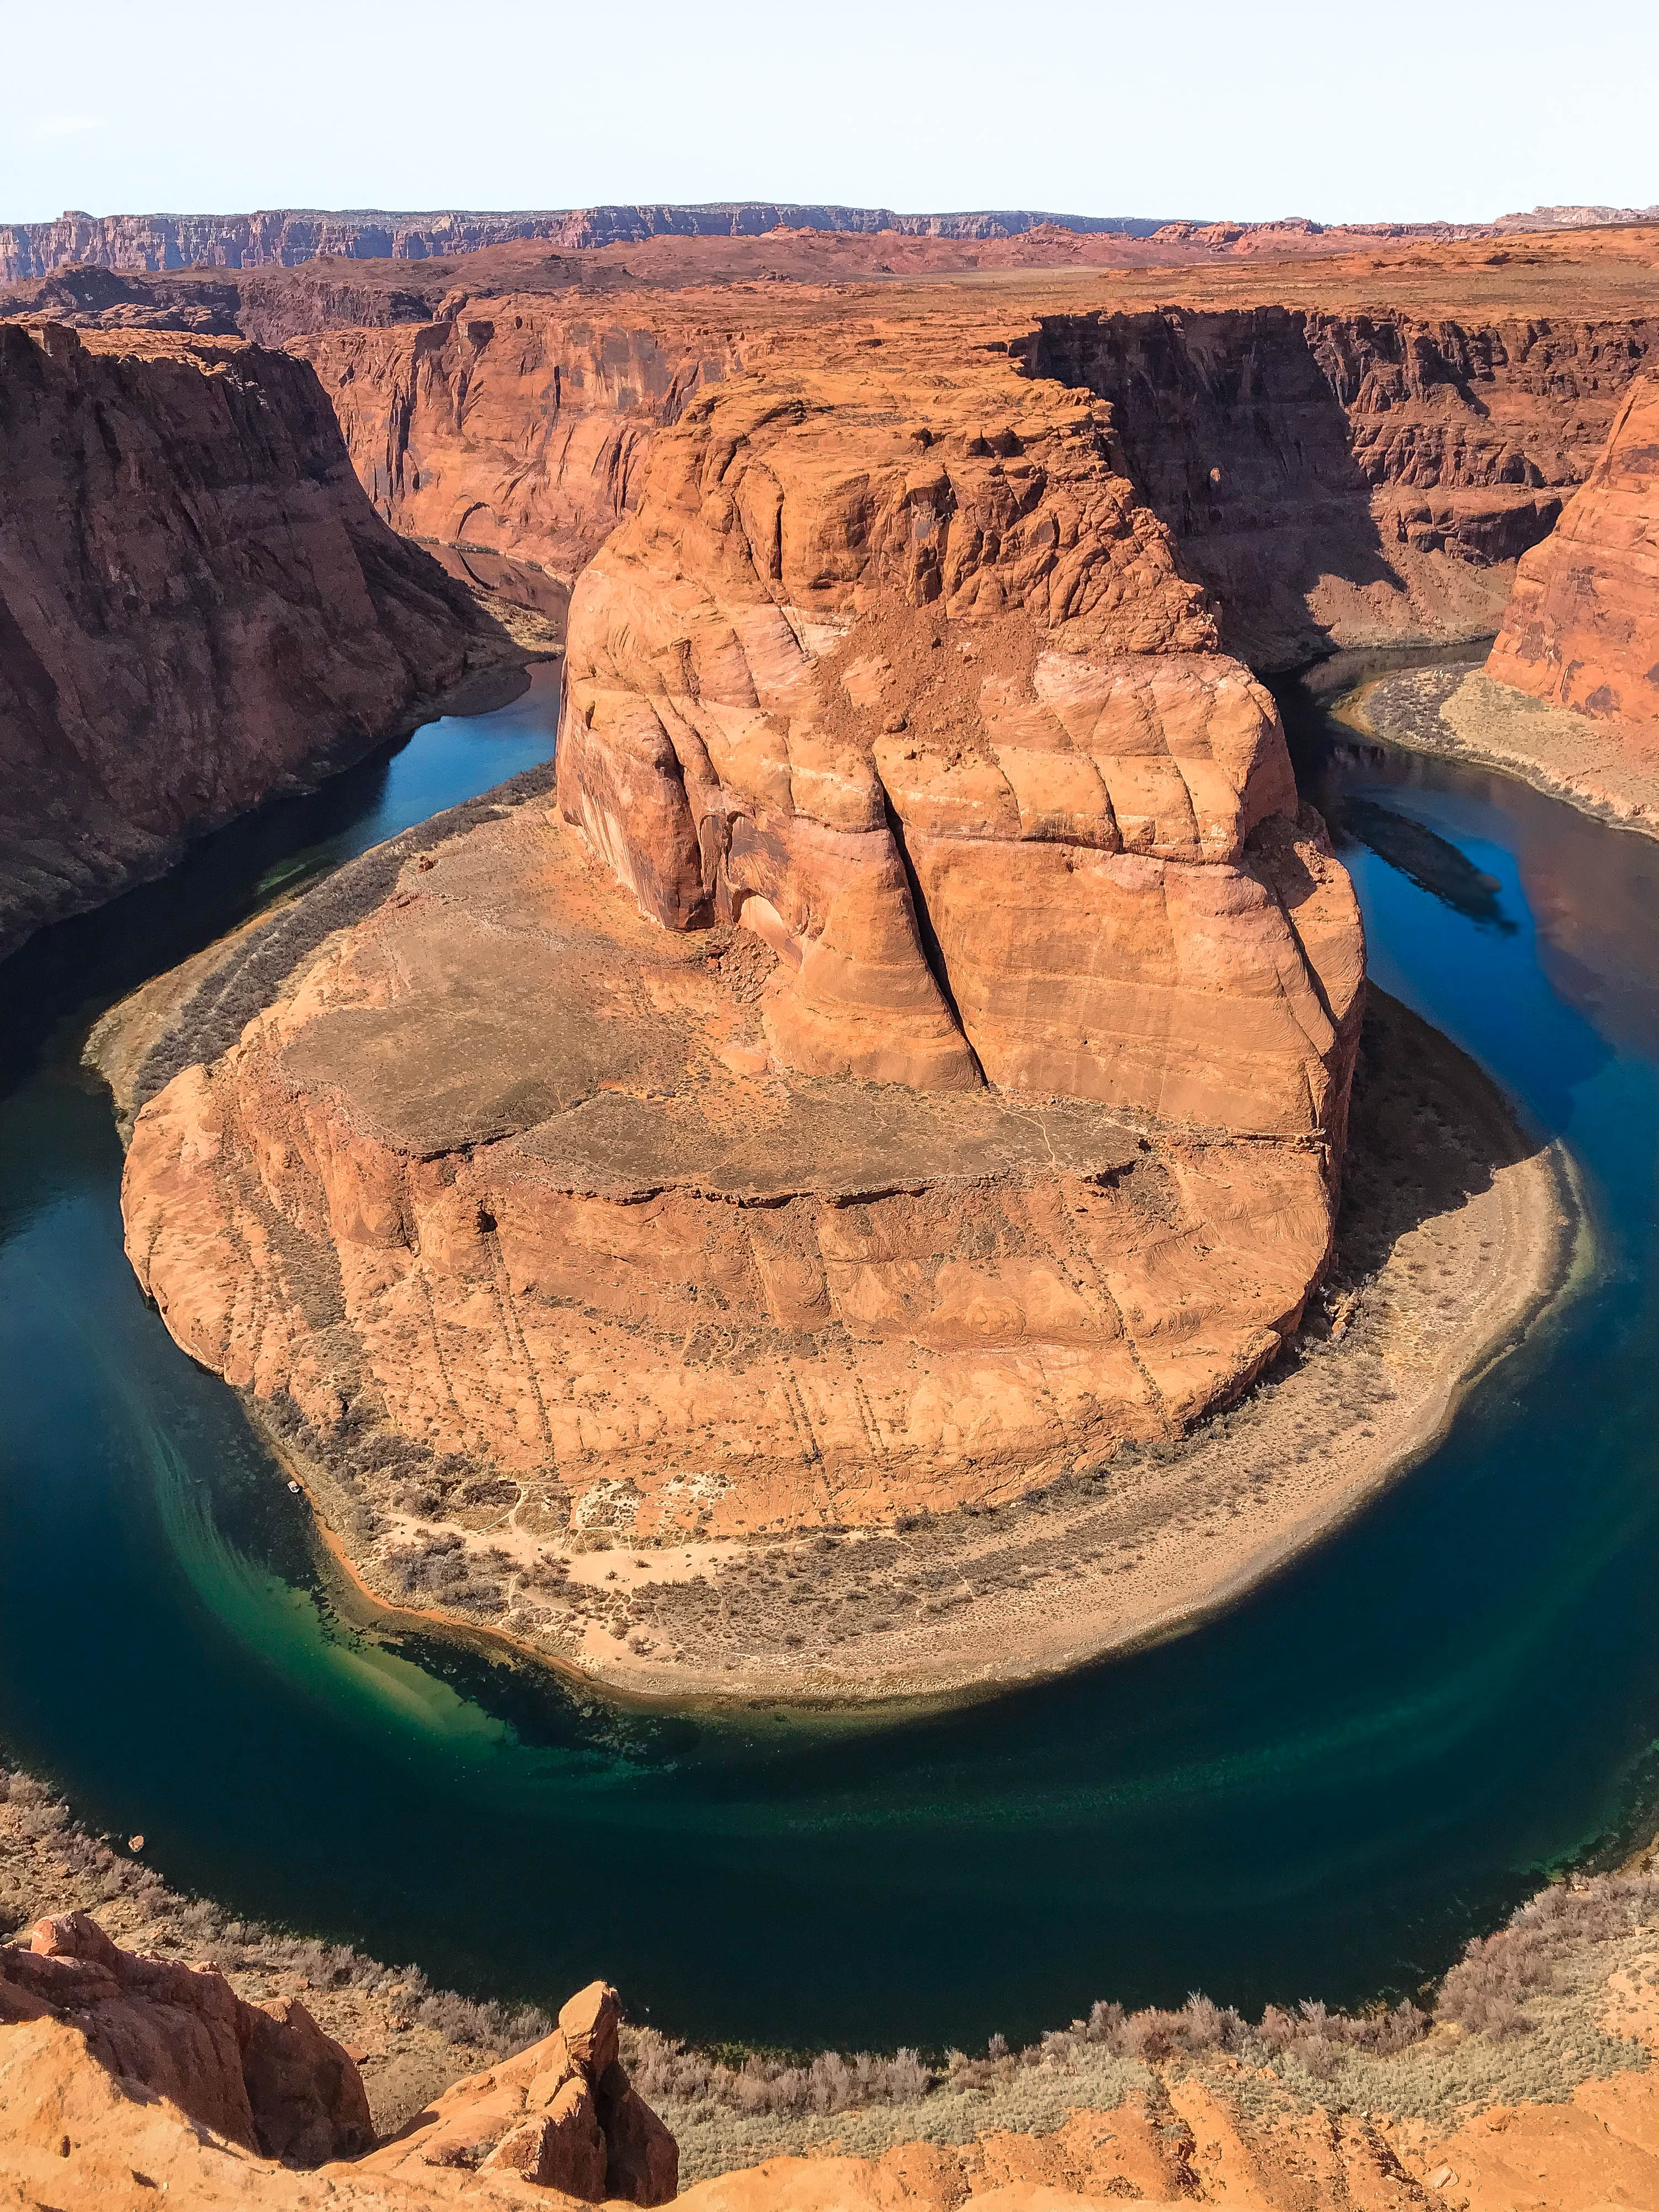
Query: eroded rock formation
[[1353, 478], [264, 2077], [138, 2076], [1581, 628], [86, 2121], [561, 2114], [915, 1062], [512, 426], [198, 606]]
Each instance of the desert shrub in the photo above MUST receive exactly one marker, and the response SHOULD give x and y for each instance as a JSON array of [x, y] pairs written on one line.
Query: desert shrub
[[1484, 1990]]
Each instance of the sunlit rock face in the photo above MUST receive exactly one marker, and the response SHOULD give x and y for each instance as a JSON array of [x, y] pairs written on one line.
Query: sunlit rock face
[[909, 1059]]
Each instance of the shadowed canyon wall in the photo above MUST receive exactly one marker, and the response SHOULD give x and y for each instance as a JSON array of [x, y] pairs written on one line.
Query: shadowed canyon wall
[[1354, 479], [198, 606], [1357, 479]]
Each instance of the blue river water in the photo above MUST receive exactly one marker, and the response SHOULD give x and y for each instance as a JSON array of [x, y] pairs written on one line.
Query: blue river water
[[1323, 1792]]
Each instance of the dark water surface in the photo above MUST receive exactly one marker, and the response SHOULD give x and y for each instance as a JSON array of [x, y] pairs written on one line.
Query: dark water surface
[[1324, 1792]]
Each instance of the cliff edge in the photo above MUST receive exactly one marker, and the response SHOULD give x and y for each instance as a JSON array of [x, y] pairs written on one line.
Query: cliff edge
[[199, 606]]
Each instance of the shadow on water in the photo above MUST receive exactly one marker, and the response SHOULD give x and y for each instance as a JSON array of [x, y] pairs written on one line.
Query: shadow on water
[[1433, 863], [1323, 1791]]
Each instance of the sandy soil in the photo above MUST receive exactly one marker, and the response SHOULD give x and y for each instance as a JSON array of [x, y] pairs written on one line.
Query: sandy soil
[[1606, 768]]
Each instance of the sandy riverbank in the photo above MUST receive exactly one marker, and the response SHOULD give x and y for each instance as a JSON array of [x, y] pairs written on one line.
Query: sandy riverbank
[[1607, 769], [1455, 1234]]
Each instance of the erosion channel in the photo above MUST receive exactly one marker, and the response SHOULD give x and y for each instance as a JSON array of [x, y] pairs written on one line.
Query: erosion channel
[[1367, 1759]]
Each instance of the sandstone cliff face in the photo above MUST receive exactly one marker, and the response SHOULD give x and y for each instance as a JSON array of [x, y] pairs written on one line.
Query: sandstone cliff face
[[515, 428], [1582, 628], [1349, 478], [198, 606], [922, 699]]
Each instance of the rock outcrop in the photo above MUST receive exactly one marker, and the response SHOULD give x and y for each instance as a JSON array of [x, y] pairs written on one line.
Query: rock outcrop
[[265, 2077], [916, 1062], [125, 2077], [561, 2114], [198, 606], [1581, 627]]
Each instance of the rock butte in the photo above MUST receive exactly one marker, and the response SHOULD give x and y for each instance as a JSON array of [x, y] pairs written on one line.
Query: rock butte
[[911, 1059], [916, 1059]]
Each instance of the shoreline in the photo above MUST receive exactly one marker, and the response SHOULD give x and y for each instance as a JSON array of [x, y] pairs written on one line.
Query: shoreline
[[1129, 1554], [1464, 716]]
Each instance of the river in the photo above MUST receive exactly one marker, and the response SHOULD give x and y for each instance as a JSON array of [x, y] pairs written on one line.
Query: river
[[1323, 1792]]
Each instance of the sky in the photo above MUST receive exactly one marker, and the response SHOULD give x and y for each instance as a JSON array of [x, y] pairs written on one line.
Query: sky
[[1462, 109]]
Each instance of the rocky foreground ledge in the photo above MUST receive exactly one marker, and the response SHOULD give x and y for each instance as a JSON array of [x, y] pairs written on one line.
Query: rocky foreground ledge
[[124, 2079]]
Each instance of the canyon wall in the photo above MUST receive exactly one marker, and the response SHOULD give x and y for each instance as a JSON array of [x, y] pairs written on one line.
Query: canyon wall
[[198, 606], [1350, 479], [1353, 479], [288, 236], [514, 427], [1581, 628]]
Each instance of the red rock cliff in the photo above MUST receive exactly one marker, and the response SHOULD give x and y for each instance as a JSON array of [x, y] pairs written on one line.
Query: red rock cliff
[[198, 605], [1582, 628], [1350, 479], [518, 427]]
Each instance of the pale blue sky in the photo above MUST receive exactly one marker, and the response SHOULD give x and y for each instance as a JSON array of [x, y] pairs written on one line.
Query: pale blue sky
[[1460, 108]]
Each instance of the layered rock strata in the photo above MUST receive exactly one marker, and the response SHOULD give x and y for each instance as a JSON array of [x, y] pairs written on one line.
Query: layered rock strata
[[1581, 627], [1349, 478], [1329, 477], [512, 427], [912, 1058], [198, 606]]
